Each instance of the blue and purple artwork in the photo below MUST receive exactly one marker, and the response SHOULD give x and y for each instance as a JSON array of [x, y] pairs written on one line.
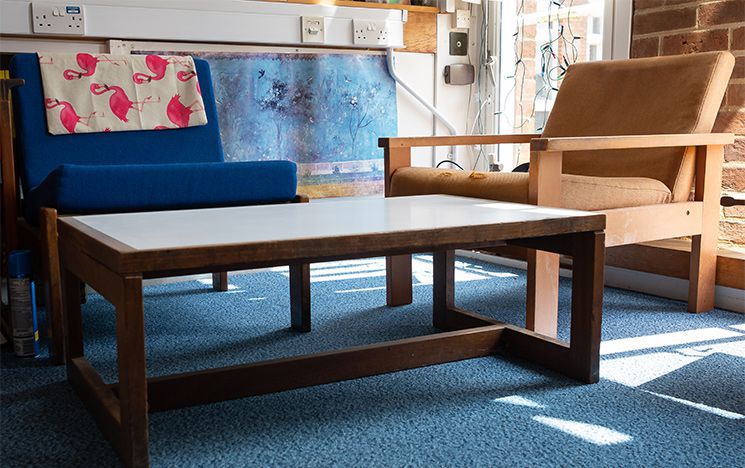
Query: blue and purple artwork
[[323, 111]]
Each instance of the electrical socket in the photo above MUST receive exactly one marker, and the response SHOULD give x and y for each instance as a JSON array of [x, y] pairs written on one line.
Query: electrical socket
[[313, 28], [367, 32], [50, 18], [462, 19]]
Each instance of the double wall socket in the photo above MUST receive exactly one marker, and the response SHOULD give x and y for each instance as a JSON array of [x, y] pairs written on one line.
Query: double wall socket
[[368, 32], [52, 18]]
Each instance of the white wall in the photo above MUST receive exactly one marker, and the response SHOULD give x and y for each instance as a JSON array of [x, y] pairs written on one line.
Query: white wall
[[417, 70], [423, 72]]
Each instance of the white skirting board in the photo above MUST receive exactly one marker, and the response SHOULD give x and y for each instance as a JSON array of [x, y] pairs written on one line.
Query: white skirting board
[[648, 283]]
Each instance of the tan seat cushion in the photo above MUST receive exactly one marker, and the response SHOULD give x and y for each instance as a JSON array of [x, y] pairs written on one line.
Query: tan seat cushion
[[577, 192]]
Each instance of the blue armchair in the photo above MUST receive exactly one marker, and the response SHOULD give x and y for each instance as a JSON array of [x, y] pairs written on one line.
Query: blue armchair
[[119, 172]]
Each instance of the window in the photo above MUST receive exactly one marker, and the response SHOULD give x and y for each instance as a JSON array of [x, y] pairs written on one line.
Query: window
[[539, 39], [592, 53], [596, 27]]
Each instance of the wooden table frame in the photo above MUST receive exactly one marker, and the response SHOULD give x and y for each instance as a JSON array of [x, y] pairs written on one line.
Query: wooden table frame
[[117, 271]]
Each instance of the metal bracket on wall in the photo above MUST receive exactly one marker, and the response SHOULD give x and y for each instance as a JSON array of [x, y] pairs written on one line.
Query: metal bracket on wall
[[458, 43]]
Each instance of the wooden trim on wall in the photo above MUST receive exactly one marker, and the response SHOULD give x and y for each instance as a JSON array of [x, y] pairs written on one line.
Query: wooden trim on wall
[[420, 33]]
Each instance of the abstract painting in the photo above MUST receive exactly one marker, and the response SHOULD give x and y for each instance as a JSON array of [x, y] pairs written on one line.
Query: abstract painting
[[323, 111]]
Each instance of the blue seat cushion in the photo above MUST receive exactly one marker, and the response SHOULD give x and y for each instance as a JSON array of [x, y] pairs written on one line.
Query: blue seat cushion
[[86, 189]]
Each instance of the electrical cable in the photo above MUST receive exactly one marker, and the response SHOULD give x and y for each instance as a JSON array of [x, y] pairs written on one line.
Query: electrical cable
[[449, 162]]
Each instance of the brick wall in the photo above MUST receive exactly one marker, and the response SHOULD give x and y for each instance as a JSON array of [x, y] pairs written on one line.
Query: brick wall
[[670, 27]]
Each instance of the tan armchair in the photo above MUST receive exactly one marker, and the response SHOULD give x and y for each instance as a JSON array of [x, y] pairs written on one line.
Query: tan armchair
[[628, 138]]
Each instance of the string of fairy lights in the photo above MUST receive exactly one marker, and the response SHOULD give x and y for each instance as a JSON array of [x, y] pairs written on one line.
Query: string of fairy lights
[[555, 56]]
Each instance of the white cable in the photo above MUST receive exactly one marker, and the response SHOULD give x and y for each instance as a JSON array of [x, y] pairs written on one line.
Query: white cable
[[430, 107]]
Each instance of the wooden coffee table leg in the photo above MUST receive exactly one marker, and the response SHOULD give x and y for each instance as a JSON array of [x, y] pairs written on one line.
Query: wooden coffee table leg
[[587, 304], [73, 320], [300, 297], [130, 346], [443, 287], [220, 281], [398, 280]]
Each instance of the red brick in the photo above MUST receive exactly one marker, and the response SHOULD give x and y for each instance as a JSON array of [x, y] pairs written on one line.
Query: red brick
[[646, 47], [645, 4], [695, 41], [729, 11], [732, 231], [665, 20], [738, 39], [733, 178], [739, 71], [736, 95], [735, 152], [737, 211], [730, 122]]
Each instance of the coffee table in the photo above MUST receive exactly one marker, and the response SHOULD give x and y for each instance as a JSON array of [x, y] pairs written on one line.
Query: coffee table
[[113, 253]]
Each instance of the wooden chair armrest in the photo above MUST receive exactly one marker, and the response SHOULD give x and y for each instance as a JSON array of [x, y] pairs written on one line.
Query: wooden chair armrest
[[630, 141], [6, 84], [457, 140]]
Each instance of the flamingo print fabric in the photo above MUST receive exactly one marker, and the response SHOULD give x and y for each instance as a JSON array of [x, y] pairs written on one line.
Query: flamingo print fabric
[[86, 93]]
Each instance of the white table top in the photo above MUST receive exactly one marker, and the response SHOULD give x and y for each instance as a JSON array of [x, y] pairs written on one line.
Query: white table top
[[256, 224]]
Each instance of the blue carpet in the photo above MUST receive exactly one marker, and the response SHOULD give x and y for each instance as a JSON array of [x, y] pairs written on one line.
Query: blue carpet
[[672, 391]]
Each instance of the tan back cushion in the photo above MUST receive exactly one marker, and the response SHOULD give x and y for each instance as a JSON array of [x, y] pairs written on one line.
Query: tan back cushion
[[677, 94]]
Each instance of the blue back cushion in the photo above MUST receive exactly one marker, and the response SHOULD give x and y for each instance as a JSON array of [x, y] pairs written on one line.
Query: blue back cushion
[[39, 152]]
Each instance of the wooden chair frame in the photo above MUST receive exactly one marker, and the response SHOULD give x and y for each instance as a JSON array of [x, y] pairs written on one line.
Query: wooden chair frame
[[697, 218], [42, 240]]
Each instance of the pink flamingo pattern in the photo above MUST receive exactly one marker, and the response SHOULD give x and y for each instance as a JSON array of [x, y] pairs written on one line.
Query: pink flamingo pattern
[[88, 64], [157, 65], [119, 102], [69, 118], [186, 75], [82, 86], [178, 113]]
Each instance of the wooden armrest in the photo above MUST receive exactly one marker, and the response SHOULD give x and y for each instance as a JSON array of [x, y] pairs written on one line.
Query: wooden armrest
[[6, 84], [411, 142], [630, 141]]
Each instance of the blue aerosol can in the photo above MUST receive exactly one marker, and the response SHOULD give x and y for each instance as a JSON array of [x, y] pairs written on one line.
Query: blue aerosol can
[[23, 304]]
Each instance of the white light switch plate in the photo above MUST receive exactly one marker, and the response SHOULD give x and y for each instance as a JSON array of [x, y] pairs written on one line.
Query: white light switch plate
[[314, 29], [54, 18], [368, 32]]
